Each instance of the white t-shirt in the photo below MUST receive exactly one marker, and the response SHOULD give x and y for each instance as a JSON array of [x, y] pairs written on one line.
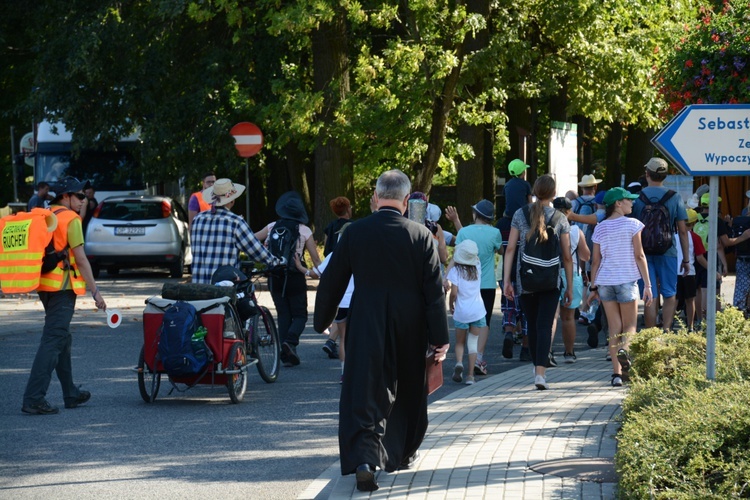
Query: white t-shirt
[[615, 238], [469, 306]]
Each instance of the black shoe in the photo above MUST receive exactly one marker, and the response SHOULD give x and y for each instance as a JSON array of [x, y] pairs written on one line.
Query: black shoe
[[43, 408], [409, 462], [289, 352], [83, 396], [508, 346], [366, 478], [593, 340], [331, 349], [551, 362], [525, 354]]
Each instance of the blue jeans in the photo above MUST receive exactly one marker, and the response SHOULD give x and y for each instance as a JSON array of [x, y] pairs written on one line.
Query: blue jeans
[[54, 349]]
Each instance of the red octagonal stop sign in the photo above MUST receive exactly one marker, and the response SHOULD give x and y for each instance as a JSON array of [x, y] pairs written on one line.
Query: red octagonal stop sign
[[248, 139]]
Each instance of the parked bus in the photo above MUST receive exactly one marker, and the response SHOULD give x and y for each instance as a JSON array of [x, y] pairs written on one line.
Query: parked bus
[[111, 172]]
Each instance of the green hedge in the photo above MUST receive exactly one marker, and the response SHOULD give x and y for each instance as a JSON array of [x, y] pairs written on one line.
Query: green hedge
[[684, 436]]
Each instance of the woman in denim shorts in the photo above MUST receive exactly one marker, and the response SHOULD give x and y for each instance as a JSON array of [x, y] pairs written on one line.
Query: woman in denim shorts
[[618, 263]]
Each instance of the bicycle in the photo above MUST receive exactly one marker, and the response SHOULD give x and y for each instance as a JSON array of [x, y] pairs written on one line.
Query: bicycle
[[260, 333]]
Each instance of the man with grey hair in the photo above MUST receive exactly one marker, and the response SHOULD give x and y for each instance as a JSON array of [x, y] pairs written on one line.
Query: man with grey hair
[[396, 312]]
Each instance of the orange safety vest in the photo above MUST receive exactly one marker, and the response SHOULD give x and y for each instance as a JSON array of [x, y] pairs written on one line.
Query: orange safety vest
[[25, 237], [57, 279], [202, 204]]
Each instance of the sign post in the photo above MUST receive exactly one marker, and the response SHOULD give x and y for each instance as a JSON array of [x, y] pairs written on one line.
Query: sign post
[[248, 139], [712, 140]]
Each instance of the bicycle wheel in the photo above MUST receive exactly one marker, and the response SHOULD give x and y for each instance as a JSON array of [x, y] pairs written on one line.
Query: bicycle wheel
[[148, 381], [237, 382], [266, 345]]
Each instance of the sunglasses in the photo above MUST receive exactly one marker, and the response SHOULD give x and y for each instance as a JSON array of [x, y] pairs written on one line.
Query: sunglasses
[[80, 196]]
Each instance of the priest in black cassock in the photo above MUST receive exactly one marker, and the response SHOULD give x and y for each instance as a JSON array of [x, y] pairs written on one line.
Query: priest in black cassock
[[397, 311]]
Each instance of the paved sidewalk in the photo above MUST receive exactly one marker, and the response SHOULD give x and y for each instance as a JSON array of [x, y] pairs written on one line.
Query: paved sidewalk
[[485, 440]]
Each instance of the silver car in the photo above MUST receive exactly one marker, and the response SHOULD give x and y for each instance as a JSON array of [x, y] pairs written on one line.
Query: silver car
[[138, 231]]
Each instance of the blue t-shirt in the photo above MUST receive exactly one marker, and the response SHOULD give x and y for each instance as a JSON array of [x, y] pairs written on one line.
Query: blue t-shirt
[[516, 193], [488, 242], [675, 206]]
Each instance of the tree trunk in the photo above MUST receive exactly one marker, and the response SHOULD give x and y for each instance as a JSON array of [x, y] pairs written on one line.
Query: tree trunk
[[638, 151], [614, 153], [475, 179], [334, 170], [585, 152]]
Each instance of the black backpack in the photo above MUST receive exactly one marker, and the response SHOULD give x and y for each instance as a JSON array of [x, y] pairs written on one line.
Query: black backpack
[[739, 226], [51, 257], [282, 241], [180, 354], [540, 260], [658, 231]]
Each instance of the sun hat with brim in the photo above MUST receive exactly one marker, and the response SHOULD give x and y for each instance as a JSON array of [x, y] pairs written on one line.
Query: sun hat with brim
[[705, 198], [517, 167], [485, 208], [290, 206], [222, 192], [589, 180], [692, 216], [466, 253], [617, 194]]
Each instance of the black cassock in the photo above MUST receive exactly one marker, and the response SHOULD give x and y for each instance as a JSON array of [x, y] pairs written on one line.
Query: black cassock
[[397, 309]]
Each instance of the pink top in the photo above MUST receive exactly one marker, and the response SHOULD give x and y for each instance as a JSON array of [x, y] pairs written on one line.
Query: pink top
[[615, 238]]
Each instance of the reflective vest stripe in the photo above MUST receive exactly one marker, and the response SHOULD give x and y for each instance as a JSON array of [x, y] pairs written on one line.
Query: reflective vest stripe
[[57, 279], [25, 237]]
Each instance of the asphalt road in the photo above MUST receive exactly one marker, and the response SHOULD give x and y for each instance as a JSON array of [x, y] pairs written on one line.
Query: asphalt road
[[195, 444]]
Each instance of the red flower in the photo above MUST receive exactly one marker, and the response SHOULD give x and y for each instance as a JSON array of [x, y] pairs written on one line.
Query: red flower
[[689, 63]]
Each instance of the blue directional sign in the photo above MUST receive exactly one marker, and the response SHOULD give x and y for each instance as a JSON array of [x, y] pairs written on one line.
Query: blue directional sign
[[708, 139]]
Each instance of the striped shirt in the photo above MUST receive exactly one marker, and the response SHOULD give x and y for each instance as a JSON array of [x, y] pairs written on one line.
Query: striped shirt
[[615, 239], [217, 240]]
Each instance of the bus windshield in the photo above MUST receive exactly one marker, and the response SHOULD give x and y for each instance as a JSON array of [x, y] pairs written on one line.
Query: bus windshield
[[107, 170]]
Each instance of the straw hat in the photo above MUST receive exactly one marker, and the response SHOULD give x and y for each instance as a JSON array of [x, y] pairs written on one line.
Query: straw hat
[[222, 192], [589, 180]]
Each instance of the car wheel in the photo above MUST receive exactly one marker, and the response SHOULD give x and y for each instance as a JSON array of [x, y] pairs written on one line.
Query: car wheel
[[113, 271], [178, 267], [95, 269]]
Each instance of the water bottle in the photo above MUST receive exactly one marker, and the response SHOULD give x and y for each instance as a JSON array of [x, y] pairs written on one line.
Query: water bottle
[[200, 333]]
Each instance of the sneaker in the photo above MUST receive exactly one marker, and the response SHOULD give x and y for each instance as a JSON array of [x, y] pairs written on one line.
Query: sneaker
[[43, 408], [458, 373], [525, 354], [469, 380], [289, 355], [593, 340], [624, 359], [331, 349], [608, 357], [83, 397], [540, 383], [480, 368], [583, 320], [551, 362], [570, 357], [616, 380], [508, 345]]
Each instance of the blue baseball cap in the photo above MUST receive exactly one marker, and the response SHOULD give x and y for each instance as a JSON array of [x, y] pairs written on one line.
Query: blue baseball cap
[[599, 199]]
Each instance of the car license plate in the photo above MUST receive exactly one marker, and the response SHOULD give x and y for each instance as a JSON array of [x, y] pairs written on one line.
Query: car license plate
[[130, 231]]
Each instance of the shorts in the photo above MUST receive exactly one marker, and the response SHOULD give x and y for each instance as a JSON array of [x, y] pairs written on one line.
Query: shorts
[[662, 270], [464, 326], [622, 294], [687, 287], [701, 274], [341, 315]]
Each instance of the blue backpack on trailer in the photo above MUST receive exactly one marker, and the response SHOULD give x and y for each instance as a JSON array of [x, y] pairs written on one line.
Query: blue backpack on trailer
[[180, 354]]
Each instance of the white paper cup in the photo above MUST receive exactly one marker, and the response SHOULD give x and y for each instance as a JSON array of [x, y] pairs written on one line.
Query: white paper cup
[[114, 318]]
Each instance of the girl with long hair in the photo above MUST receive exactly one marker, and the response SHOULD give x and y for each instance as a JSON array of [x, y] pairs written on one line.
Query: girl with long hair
[[617, 265], [538, 307]]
